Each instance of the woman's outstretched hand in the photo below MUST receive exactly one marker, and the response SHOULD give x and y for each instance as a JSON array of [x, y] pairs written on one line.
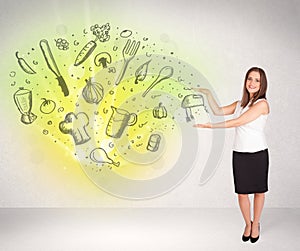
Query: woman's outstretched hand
[[207, 125], [202, 90]]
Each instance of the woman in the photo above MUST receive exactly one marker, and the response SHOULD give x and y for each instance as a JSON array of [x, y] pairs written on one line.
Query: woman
[[250, 151]]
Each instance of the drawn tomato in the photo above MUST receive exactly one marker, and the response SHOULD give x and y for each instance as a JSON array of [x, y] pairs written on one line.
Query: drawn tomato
[[47, 106]]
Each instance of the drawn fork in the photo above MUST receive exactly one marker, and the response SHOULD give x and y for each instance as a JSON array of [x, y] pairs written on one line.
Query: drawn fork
[[129, 51]]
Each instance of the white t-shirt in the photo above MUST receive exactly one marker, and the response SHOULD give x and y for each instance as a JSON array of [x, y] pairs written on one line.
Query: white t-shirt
[[250, 137]]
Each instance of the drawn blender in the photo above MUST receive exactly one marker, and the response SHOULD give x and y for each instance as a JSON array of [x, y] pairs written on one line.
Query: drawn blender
[[23, 100]]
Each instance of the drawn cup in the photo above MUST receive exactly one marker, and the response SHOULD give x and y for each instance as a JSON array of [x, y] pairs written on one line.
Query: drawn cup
[[118, 121]]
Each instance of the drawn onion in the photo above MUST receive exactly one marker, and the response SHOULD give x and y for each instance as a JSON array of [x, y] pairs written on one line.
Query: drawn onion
[[92, 92]]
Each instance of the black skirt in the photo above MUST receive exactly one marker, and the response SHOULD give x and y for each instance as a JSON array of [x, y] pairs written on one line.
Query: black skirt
[[250, 172]]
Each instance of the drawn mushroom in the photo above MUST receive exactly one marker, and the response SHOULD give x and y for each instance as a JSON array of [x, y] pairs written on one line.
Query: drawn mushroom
[[103, 58], [190, 101]]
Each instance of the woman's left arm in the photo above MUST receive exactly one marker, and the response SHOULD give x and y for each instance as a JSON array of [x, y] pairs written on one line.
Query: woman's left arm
[[260, 108]]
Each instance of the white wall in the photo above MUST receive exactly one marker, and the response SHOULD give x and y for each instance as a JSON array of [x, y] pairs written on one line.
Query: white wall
[[222, 39]]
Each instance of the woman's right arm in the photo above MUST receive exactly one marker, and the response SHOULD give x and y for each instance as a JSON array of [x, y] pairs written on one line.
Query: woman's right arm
[[217, 110]]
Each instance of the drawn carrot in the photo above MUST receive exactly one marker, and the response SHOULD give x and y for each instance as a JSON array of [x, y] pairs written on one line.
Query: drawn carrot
[[85, 52], [101, 34]]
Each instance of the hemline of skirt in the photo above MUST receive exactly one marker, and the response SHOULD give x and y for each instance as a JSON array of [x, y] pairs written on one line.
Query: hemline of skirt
[[263, 191]]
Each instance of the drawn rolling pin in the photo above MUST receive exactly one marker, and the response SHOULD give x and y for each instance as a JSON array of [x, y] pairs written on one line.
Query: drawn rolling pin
[[52, 65]]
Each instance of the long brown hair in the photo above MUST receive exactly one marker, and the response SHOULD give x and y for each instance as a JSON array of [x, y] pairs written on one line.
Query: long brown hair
[[262, 90]]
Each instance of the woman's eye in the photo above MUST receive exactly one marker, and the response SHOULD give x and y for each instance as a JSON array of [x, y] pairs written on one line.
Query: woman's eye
[[257, 80]]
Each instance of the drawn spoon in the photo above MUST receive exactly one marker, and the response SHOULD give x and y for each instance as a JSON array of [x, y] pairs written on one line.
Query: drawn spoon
[[165, 73]]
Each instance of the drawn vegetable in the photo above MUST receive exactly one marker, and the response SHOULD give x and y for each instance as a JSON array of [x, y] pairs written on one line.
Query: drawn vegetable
[[24, 65], [126, 33], [75, 125], [160, 112], [47, 106], [92, 92], [101, 34], [103, 59], [62, 44], [85, 52], [141, 72]]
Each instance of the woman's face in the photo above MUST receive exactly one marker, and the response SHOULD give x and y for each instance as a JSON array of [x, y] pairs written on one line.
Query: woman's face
[[253, 82]]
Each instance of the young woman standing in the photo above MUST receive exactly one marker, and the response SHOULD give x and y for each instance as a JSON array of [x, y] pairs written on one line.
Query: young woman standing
[[250, 150]]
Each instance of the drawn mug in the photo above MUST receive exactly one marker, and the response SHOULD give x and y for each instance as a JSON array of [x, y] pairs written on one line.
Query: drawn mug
[[118, 121]]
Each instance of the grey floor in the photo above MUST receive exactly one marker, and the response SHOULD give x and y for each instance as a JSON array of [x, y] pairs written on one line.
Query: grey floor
[[144, 229]]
